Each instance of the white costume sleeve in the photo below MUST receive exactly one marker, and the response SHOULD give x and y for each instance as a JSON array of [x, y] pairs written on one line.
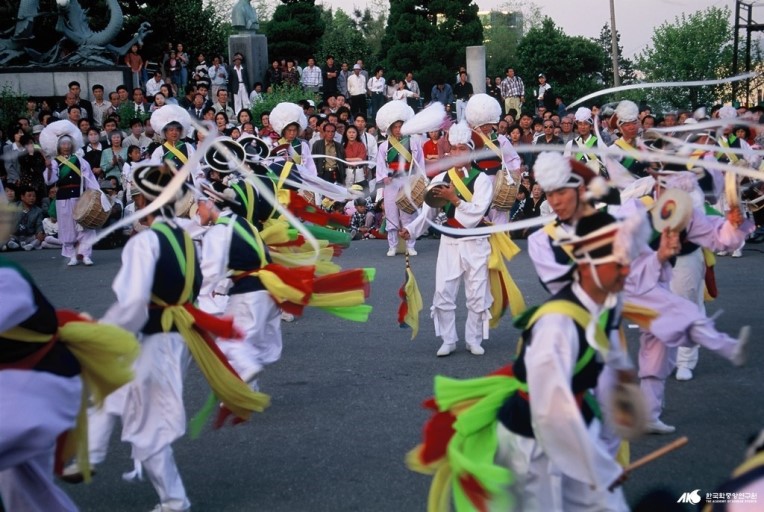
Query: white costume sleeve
[[17, 298], [371, 149], [51, 175], [512, 160], [470, 213], [552, 274], [382, 161], [214, 264], [568, 148], [716, 233], [87, 175], [417, 155], [133, 282], [307, 160], [419, 225], [556, 418]]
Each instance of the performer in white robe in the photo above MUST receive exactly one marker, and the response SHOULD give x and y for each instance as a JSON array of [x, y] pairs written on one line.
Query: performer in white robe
[[72, 175], [460, 258]]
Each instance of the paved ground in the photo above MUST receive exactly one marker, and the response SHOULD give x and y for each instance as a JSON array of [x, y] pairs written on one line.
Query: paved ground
[[346, 399]]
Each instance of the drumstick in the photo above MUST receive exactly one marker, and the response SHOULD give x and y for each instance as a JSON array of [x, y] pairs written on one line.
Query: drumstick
[[660, 452]]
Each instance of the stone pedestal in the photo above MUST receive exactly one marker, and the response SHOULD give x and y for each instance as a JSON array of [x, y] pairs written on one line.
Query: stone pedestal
[[476, 67], [54, 82], [254, 47]]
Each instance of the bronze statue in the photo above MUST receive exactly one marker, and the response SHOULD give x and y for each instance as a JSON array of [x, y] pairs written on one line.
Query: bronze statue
[[244, 16]]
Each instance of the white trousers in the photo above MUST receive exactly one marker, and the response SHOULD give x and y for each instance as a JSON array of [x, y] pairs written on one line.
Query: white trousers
[[259, 318], [468, 259], [541, 487], [240, 99], [74, 239], [461, 106], [37, 407], [687, 281], [396, 218], [154, 415]]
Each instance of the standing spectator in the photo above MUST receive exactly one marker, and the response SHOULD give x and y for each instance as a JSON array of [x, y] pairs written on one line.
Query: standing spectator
[[136, 137], [370, 142], [113, 158], [462, 91], [311, 77], [153, 85], [355, 151], [329, 169], [390, 88], [562, 110], [290, 76], [512, 92], [376, 87], [413, 86], [403, 93], [543, 94], [172, 67], [342, 80], [201, 74], [272, 76], [356, 86], [183, 60], [218, 76], [239, 85], [93, 151], [442, 92], [85, 105], [32, 168], [101, 108], [135, 62], [11, 152], [221, 105], [329, 76]]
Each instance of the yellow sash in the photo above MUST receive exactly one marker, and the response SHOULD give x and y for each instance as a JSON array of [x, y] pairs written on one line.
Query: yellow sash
[[293, 154], [70, 165], [551, 230], [284, 174], [459, 184], [490, 145], [723, 142], [395, 143], [176, 152], [578, 314], [626, 146]]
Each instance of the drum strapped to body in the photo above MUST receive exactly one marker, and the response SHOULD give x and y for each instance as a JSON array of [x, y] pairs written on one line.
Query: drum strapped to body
[[418, 185], [504, 192], [88, 212]]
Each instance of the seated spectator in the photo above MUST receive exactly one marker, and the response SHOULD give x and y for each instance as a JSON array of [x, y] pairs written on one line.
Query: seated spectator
[[362, 220], [113, 158], [436, 146], [29, 233]]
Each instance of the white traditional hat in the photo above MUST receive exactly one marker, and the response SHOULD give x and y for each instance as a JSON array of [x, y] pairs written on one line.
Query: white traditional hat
[[584, 115], [482, 109], [460, 133], [553, 171], [727, 112], [161, 118], [427, 120], [54, 132], [390, 113], [627, 111], [286, 113]]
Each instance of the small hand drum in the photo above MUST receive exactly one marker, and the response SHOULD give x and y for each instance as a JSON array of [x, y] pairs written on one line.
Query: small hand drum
[[431, 200], [628, 411], [672, 210]]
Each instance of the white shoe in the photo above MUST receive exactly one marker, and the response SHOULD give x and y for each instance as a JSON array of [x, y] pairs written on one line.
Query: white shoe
[[73, 261], [476, 350], [412, 252], [72, 474], [446, 349], [658, 427], [162, 508], [12, 245], [87, 261], [739, 355], [27, 247], [683, 373], [287, 317], [737, 253], [722, 253], [391, 252]]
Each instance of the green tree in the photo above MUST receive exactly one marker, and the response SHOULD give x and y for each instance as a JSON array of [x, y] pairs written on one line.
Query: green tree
[[295, 30], [572, 65], [342, 38], [625, 66], [371, 23], [694, 47], [429, 37]]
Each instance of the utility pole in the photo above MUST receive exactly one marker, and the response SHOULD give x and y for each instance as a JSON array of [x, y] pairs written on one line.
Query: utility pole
[[614, 46]]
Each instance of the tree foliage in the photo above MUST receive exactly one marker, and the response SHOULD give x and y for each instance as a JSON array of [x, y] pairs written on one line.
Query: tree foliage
[[694, 47], [295, 30], [342, 38], [429, 38], [371, 23], [625, 66], [572, 65]]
